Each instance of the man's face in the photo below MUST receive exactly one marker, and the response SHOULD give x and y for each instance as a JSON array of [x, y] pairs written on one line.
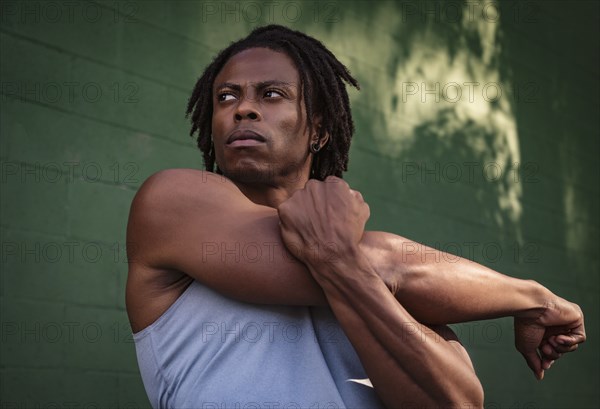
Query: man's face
[[258, 124]]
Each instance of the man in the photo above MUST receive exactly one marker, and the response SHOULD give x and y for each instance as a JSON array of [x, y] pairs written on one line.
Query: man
[[240, 285]]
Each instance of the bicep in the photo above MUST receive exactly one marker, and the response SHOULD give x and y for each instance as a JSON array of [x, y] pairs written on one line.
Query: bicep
[[214, 234], [240, 254]]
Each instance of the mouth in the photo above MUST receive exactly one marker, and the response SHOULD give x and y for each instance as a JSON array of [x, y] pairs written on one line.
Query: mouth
[[244, 137]]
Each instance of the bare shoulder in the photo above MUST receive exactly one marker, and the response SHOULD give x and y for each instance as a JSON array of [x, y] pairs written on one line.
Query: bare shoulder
[[175, 206], [166, 185], [163, 210], [171, 197]]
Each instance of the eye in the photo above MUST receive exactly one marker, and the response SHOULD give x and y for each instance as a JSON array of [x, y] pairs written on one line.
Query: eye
[[272, 93], [225, 96]]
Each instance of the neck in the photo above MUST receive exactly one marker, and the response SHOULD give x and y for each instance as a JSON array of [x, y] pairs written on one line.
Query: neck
[[270, 195], [273, 188]]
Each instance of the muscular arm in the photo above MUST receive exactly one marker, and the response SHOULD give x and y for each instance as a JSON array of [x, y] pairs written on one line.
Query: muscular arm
[[199, 223], [438, 288], [187, 223], [441, 288], [408, 363]]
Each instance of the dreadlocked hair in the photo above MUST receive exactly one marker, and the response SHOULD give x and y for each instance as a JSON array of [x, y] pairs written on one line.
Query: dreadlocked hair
[[322, 79]]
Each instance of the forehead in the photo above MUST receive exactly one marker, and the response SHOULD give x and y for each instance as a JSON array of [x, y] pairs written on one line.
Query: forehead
[[258, 65]]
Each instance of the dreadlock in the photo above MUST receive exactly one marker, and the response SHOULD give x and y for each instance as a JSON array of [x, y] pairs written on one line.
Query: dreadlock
[[322, 79]]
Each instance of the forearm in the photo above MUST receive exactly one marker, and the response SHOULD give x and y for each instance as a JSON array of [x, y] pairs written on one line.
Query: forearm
[[440, 288], [407, 362]]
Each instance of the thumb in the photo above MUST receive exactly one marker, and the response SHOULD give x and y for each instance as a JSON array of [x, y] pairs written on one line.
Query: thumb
[[535, 363]]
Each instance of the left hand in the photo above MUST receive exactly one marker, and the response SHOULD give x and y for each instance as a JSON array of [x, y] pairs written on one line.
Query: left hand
[[323, 221], [542, 340]]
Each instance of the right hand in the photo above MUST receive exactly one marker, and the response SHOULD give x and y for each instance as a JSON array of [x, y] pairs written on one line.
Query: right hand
[[324, 221], [557, 330]]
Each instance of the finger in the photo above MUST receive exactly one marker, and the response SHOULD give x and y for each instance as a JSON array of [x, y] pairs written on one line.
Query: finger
[[334, 179], [547, 363], [573, 338], [563, 343], [549, 353], [357, 194], [550, 343], [535, 364]]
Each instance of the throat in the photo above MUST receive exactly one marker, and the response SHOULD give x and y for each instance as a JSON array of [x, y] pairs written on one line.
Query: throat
[[266, 195]]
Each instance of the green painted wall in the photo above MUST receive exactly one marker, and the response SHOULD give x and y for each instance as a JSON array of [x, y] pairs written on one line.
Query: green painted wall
[[477, 133]]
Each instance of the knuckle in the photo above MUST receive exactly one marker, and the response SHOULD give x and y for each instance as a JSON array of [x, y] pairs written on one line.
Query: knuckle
[[338, 182], [285, 204], [283, 211], [311, 184]]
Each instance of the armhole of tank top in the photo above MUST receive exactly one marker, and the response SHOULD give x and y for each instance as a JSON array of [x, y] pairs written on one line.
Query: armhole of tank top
[[168, 312]]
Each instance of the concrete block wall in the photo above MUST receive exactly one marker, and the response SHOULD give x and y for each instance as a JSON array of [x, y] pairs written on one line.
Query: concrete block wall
[[477, 133]]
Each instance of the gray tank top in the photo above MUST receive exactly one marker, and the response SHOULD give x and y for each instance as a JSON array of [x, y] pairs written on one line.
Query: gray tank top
[[208, 351]]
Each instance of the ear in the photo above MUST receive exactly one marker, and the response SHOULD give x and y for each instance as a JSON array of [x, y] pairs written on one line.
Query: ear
[[317, 134]]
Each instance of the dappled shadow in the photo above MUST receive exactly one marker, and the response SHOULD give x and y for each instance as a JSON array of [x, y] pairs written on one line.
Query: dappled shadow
[[448, 150], [434, 82]]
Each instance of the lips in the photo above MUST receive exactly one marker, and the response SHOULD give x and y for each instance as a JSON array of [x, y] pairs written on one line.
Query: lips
[[244, 137]]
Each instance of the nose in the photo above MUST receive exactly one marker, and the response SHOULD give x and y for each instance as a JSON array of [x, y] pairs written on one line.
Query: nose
[[247, 109]]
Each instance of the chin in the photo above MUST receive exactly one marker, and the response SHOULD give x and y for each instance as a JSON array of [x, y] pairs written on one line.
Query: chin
[[250, 173]]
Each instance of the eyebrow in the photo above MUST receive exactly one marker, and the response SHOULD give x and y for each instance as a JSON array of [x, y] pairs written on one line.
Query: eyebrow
[[259, 85]]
